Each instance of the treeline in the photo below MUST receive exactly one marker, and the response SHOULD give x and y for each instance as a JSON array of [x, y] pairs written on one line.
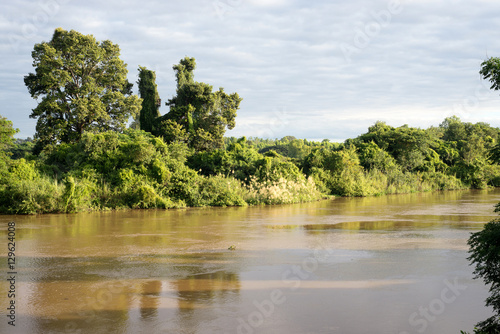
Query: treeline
[[136, 169], [86, 156], [389, 160]]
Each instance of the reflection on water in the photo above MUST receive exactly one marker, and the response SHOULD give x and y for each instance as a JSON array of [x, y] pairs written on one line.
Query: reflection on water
[[205, 288], [150, 293], [351, 265]]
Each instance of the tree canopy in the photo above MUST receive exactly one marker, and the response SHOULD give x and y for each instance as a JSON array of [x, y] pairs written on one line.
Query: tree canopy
[[83, 86], [197, 114], [150, 99], [6, 140], [6, 134]]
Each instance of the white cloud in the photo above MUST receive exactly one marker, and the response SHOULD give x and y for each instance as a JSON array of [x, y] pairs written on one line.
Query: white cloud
[[263, 3], [283, 54]]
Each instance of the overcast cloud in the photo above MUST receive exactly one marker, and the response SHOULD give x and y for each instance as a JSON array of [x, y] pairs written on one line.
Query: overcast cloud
[[311, 69]]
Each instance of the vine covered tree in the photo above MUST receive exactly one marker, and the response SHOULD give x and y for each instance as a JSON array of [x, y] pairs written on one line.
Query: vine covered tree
[[196, 113], [150, 99], [7, 133], [82, 86]]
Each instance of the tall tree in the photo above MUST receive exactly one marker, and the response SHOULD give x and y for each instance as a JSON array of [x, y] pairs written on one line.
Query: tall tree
[[7, 133], [150, 99], [203, 115], [83, 86]]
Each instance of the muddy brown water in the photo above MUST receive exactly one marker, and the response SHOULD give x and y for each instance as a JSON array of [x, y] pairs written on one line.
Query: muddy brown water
[[390, 264]]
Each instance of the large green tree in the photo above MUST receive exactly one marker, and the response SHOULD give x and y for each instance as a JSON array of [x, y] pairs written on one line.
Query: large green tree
[[81, 85], [196, 112], [150, 99]]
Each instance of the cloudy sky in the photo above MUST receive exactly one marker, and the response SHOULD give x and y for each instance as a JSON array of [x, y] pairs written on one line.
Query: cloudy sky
[[312, 69]]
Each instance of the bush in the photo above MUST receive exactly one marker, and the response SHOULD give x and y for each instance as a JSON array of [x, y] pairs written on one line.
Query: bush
[[221, 191], [42, 195], [79, 195], [282, 191]]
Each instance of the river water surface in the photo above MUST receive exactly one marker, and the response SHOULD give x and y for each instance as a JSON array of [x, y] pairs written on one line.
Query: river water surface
[[390, 264]]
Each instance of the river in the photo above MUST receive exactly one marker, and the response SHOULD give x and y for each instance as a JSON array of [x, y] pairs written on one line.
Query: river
[[389, 264]]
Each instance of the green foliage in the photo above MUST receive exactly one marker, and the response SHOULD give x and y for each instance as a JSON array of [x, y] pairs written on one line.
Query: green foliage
[[78, 194], [171, 131], [371, 157], [135, 169], [22, 148], [150, 99], [410, 147], [219, 190], [82, 84], [362, 168], [485, 255], [242, 162], [197, 114], [490, 69], [282, 191], [238, 160], [26, 191], [7, 133]]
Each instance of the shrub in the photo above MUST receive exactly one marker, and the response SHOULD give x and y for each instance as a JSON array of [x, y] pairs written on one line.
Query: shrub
[[79, 195], [282, 191], [219, 190]]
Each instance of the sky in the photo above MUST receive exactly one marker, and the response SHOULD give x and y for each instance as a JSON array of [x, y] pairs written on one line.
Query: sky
[[312, 69]]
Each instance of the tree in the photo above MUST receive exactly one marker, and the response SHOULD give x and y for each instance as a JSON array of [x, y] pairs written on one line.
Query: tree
[[7, 133], [409, 146], [83, 86], [150, 99], [485, 254], [203, 114], [490, 69]]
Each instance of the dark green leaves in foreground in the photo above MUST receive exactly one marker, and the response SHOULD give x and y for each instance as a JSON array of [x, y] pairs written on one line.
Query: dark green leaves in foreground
[[485, 255]]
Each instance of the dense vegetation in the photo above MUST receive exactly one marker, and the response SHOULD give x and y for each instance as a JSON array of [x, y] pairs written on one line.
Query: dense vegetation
[[485, 255], [85, 157], [135, 169]]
